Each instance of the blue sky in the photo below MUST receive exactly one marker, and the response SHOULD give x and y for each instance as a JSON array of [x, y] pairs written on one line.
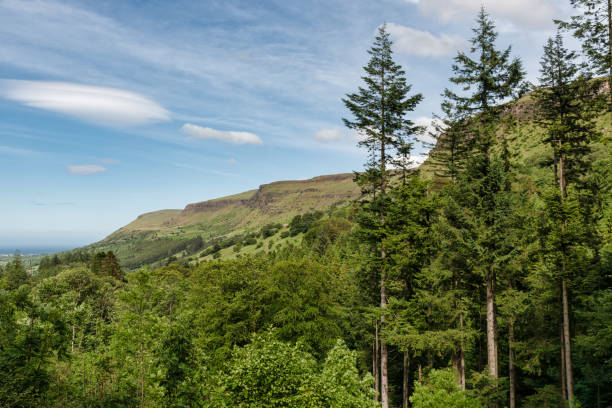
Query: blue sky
[[110, 109]]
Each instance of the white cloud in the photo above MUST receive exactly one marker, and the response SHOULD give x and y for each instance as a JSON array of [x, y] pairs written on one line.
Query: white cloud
[[200, 132], [524, 13], [85, 169], [430, 127], [329, 135], [411, 41], [108, 160], [107, 106], [418, 160]]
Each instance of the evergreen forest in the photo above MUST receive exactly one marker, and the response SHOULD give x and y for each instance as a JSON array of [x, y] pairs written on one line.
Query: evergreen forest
[[481, 279]]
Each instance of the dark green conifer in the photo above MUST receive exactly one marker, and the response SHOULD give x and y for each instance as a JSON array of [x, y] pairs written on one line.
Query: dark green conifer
[[379, 111]]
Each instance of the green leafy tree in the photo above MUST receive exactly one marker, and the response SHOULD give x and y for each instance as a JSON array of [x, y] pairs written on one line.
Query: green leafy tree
[[32, 336], [271, 373], [439, 390]]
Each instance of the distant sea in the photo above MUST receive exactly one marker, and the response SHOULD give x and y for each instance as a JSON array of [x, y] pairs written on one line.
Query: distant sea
[[25, 250]]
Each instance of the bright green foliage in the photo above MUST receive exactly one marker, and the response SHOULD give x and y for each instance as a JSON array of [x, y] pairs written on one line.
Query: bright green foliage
[[270, 373], [33, 335], [440, 390]]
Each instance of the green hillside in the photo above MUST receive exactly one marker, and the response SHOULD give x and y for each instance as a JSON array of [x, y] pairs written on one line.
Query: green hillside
[[154, 237]]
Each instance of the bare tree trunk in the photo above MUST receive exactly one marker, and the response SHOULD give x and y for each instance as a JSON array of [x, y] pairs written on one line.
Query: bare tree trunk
[[563, 383], [511, 364], [462, 355], [569, 378], [567, 340], [598, 396], [405, 382], [384, 379], [420, 374], [491, 338], [456, 368], [376, 363]]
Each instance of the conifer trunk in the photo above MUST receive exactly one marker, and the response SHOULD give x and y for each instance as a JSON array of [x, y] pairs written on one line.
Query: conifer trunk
[[562, 368], [511, 372], [462, 355], [405, 382], [384, 380], [566, 338], [569, 379], [375, 362], [491, 338]]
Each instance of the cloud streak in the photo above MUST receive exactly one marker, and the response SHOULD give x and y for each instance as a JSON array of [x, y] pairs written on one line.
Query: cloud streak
[[411, 41], [85, 169], [329, 135], [523, 13], [106, 106], [196, 132], [16, 151]]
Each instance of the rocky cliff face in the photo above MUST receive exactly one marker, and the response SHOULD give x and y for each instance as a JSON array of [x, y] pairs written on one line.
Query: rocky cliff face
[[212, 205], [267, 195]]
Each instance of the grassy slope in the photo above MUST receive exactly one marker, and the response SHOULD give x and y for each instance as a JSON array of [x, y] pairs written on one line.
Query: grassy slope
[[525, 143], [152, 237]]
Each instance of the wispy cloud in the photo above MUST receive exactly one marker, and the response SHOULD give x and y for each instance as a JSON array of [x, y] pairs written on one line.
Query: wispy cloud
[[228, 136], [85, 169], [523, 13], [16, 151], [411, 41], [52, 204], [107, 106], [329, 135], [108, 160]]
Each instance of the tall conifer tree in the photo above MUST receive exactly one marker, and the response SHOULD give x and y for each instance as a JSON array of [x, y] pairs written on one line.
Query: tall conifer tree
[[566, 110], [379, 109], [594, 28], [492, 77]]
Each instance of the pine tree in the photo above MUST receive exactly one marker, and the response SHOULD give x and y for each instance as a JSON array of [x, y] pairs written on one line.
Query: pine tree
[[15, 272], [379, 111], [567, 111], [594, 28], [493, 77]]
